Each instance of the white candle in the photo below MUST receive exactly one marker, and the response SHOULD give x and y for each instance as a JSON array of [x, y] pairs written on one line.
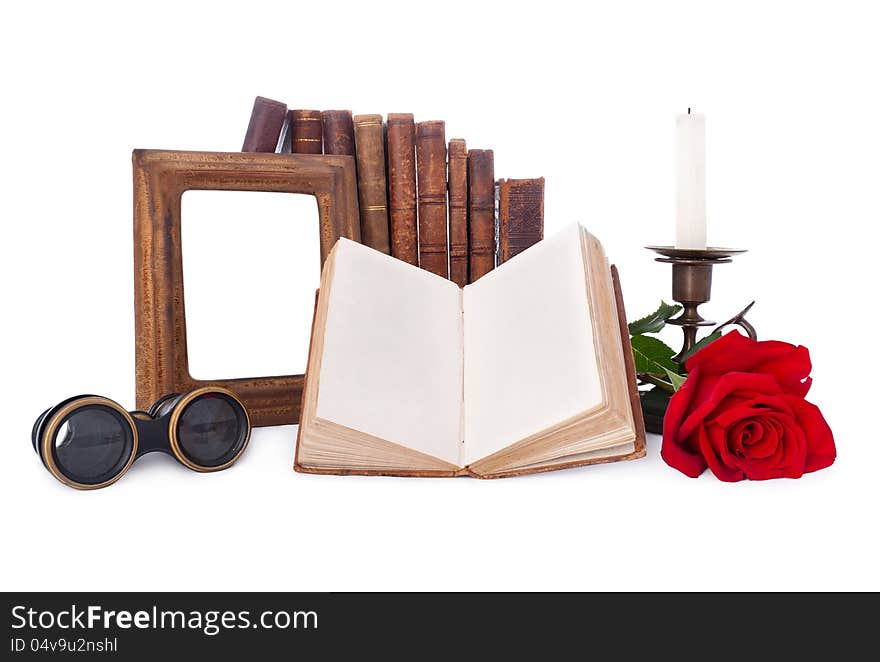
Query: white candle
[[690, 228]]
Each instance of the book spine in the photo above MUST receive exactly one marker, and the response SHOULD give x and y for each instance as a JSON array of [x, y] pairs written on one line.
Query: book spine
[[481, 211], [520, 215], [497, 223], [338, 132], [306, 131], [266, 126], [402, 187], [431, 165], [458, 212], [369, 137]]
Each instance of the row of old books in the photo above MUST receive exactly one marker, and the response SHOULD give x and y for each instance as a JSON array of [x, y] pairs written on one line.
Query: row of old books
[[422, 200]]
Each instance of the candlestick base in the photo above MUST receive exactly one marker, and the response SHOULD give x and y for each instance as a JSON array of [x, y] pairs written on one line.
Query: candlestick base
[[692, 285]]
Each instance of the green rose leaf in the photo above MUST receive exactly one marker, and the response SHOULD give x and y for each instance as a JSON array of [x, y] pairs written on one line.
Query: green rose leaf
[[654, 322], [700, 345], [654, 402], [676, 379], [653, 356]]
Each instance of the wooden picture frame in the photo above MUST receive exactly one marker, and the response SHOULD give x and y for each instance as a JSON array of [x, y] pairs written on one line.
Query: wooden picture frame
[[160, 179]]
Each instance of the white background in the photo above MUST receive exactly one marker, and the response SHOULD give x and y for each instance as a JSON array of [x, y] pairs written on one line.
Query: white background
[[586, 98]]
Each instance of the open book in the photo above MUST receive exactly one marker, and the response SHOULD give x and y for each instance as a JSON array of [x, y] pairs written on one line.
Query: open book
[[528, 369]]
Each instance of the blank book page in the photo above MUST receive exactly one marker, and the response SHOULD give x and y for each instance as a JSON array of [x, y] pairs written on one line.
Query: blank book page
[[391, 365], [529, 357]]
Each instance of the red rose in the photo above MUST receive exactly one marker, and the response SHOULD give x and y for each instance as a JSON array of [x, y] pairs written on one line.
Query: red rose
[[741, 412]]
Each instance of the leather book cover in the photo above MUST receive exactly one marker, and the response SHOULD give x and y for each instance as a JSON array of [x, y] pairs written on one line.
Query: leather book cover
[[338, 132], [266, 126], [402, 187], [306, 131], [369, 138], [458, 212], [639, 444], [431, 165], [481, 212], [520, 215]]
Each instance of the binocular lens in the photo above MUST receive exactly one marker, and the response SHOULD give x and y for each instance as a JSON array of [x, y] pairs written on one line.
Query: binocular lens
[[93, 444], [212, 430]]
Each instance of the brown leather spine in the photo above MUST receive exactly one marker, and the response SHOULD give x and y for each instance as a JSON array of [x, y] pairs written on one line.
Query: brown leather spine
[[520, 215], [402, 187], [640, 444], [481, 211], [431, 163], [338, 132], [266, 126], [369, 138], [458, 212], [306, 131]]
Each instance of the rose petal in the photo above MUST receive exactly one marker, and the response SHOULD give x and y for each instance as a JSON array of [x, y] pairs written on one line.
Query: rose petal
[[735, 352], [794, 447], [676, 450], [765, 441], [820, 448], [749, 408], [724, 386], [713, 445], [738, 436], [787, 459], [791, 370]]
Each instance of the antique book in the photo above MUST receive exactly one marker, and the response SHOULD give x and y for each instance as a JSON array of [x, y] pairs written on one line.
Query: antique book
[[369, 138], [520, 215], [481, 212], [431, 166], [402, 187], [529, 369], [266, 128], [338, 132], [458, 212], [306, 131]]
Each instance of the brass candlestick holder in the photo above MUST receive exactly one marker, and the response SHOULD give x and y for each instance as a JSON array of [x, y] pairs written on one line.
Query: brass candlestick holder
[[692, 285]]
